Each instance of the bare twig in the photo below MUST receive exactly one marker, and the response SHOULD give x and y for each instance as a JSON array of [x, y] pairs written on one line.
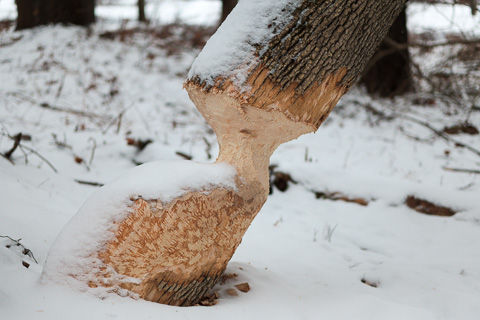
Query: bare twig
[[25, 250], [41, 157], [92, 155], [61, 144], [462, 170], [427, 125], [60, 87], [441, 134], [22, 146], [89, 183], [184, 155], [48, 106], [209, 147], [16, 142], [68, 110]]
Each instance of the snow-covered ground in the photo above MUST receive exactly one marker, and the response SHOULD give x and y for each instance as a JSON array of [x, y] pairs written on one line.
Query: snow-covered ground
[[82, 98]]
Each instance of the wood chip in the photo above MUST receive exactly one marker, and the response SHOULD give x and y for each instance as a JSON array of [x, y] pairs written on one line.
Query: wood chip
[[232, 292], [243, 287]]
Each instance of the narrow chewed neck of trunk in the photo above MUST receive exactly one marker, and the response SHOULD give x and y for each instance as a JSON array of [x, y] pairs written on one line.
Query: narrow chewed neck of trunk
[[247, 135]]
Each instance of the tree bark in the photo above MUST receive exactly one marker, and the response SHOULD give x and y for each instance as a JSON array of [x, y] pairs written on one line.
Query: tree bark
[[388, 73], [32, 13], [281, 86]]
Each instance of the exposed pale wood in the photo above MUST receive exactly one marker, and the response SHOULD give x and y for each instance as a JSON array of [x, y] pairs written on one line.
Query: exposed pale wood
[[175, 252], [179, 250]]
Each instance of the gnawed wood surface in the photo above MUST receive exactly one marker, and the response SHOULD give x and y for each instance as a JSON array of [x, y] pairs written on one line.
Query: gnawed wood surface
[[179, 250], [175, 252]]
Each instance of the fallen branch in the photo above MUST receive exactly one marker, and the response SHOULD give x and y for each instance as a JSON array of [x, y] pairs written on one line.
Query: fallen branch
[[41, 157], [48, 106], [22, 146], [90, 183], [437, 132], [68, 110], [92, 155], [184, 155], [441, 134], [209, 147], [16, 143]]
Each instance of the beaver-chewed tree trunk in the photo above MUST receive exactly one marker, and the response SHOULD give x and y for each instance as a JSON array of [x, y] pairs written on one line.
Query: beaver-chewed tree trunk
[[273, 71]]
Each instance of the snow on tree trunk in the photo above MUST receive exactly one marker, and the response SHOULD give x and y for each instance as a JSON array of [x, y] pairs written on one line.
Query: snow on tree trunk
[[273, 71]]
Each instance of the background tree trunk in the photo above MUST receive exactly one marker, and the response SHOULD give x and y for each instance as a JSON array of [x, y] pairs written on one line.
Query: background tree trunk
[[141, 11], [388, 73], [227, 7], [32, 13]]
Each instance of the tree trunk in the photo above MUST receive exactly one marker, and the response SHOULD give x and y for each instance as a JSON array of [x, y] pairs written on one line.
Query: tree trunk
[[388, 72], [260, 83], [32, 13], [227, 7], [141, 11]]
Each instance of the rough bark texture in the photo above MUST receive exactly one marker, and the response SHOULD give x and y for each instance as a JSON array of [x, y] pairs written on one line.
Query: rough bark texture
[[32, 13], [388, 72], [227, 7], [320, 53]]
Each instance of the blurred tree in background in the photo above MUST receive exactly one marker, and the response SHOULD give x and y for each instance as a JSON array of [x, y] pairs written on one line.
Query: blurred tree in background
[[32, 13], [388, 72], [227, 7]]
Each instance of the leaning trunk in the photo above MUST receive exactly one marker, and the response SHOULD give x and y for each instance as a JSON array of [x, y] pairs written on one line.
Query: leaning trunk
[[259, 83]]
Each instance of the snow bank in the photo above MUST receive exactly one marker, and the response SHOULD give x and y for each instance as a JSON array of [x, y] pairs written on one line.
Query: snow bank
[[86, 233], [230, 52]]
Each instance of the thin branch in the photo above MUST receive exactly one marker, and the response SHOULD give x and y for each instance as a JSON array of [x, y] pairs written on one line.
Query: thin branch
[[48, 106], [442, 134], [89, 183], [22, 146], [209, 147], [439, 133], [41, 157], [461, 170], [25, 251], [16, 142], [92, 155]]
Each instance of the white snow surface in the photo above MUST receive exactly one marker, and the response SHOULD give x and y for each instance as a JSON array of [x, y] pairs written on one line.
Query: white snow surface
[[304, 258], [74, 249], [230, 52]]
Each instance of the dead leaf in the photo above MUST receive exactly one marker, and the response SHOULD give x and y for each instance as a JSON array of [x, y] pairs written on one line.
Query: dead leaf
[[427, 207], [243, 287]]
